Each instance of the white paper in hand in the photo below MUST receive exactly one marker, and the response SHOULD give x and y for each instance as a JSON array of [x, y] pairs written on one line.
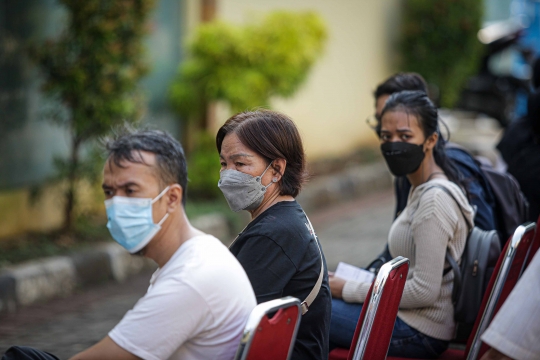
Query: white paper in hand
[[353, 273]]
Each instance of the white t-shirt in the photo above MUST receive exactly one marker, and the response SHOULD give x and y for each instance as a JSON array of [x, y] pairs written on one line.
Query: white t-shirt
[[195, 308]]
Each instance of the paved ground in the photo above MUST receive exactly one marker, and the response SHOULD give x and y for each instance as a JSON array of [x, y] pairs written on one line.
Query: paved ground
[[354, 232]]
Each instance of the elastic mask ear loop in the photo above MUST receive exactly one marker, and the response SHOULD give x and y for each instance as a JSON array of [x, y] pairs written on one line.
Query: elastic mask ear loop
[[156, 199], [264, 172], [163, 220], [160, 194]]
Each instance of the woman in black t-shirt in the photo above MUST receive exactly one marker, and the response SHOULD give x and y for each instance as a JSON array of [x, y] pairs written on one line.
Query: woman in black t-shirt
[[262, 171]]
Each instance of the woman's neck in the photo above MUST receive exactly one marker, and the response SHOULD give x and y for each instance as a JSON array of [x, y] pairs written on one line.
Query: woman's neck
[[428, 170], [269, 201]]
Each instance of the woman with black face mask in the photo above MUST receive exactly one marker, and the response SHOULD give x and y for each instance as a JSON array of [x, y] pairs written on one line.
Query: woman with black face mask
[[431, 223]]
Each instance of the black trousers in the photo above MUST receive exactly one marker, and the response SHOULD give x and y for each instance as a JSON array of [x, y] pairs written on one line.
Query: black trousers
[[27, 353]]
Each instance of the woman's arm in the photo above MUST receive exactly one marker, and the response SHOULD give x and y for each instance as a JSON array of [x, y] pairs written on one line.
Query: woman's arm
[[432, 229], [355, 292]]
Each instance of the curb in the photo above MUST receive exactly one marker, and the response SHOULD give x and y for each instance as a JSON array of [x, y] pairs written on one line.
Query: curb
[[40, 280]]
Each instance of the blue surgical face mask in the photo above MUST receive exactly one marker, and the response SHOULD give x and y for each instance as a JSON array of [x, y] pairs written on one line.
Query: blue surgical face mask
[[130, 221]]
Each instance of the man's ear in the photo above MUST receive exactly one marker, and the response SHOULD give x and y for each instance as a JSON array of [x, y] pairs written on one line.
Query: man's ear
[[278, 167], [174, 197], [431, 141]]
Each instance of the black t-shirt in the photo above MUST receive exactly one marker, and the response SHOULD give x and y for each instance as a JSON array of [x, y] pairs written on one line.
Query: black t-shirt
[[281, 258]]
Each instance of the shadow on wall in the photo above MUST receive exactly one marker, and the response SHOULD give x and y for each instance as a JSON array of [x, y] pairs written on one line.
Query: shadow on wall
[[41, 210]]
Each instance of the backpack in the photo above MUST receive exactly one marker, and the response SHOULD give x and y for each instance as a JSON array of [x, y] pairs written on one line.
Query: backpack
[[511, 206], [471, 277]]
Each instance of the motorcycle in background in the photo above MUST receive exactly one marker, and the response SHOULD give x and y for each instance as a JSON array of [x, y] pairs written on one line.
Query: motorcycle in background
[[496, 90]]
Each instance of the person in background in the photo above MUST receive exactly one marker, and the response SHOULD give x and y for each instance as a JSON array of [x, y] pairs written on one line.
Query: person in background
[[513, 333], [535, 78], [437, 219], [520, 148], [199, 299], [478, 188], [263, 168]]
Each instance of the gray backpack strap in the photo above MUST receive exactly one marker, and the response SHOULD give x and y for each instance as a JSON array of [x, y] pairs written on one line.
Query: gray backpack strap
[[457, 275], [315, 291]]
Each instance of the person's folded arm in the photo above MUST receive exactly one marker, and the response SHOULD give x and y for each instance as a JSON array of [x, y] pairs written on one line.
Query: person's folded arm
[[160, 322], [104, 350]]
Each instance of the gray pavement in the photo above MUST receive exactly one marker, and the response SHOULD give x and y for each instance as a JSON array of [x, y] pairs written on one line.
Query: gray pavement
[[354, 232], [66, 326]]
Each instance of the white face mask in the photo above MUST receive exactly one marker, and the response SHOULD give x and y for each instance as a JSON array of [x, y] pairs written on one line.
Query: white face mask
[[243, 191], [130, 220]]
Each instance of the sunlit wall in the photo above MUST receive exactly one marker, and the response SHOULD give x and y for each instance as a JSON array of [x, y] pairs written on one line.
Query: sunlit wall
[[331, 108]]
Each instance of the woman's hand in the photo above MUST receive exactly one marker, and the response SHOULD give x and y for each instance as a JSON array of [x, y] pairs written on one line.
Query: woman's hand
[[336, 285]]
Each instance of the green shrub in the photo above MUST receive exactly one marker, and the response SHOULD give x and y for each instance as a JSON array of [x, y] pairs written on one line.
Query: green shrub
[[92, 70], [246, 65], [243, 66], [440, 42], [203, 168]]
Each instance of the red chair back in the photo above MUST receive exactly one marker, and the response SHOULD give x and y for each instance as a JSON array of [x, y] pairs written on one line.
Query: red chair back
[[271, 338], [505, 276], [535, 244], [346, 354], [376, 331], [376, 322]]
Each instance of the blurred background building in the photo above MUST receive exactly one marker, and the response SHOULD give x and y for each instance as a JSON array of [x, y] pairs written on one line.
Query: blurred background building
[[330, 108]]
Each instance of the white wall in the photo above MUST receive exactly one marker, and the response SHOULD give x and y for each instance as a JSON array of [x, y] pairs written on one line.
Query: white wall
[[331, 108]]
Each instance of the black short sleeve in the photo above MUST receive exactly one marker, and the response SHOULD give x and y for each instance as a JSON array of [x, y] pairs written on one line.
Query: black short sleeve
[[281, 258], [268, 267]]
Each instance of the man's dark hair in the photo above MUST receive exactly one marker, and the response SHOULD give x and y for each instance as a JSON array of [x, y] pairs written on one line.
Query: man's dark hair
[[401, 82], [397, 83], [273, 136], [170, 158]]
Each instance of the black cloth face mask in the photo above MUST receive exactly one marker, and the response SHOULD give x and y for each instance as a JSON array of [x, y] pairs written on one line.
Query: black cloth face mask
[[402, 158]]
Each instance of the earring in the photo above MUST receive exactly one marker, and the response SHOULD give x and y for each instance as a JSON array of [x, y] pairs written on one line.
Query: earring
[[274, 180]]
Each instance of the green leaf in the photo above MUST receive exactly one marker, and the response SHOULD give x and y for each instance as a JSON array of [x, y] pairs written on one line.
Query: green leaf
[[439, 41], [245, 66]]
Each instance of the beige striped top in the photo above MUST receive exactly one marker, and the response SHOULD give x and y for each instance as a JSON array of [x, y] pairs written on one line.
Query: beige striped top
[[431, 223]]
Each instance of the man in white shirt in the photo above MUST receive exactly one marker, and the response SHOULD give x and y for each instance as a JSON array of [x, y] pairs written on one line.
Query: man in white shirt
[[200, 297]]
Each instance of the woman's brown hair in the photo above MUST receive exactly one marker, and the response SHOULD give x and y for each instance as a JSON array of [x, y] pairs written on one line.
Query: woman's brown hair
[[273, 136]]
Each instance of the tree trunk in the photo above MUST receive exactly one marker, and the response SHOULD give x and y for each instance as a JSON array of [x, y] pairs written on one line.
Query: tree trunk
[[72, 183], [208, 14], [208, 10]]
